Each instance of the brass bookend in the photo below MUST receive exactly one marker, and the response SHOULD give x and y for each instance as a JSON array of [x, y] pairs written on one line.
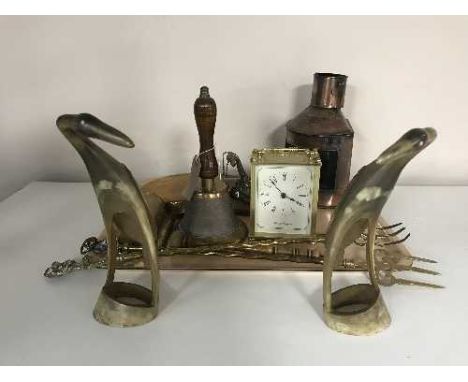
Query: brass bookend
[[359, 309], [125, 214]]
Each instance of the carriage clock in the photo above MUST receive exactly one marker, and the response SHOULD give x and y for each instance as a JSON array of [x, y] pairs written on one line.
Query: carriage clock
[[284, 192]]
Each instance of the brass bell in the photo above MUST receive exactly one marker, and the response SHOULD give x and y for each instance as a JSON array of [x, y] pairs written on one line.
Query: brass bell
[[209, 216]]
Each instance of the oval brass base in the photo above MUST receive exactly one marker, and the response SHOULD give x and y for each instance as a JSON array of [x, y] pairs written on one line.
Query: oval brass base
[[123, 304], [358, 310]]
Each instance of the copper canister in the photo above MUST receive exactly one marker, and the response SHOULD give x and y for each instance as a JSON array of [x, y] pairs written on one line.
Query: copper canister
[[322, 126]]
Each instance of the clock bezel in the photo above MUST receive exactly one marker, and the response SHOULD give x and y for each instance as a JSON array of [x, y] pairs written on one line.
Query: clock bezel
[[285, 157]]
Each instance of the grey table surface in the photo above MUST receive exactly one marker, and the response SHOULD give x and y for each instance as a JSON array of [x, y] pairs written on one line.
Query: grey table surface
[[220, 317]]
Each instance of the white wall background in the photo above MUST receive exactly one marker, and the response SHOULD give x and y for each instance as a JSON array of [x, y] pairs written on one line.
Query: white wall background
[[142, 74]]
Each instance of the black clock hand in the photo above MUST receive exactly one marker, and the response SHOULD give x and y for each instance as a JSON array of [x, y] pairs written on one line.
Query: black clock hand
[[284, 195], [296, 201], [274, 184]]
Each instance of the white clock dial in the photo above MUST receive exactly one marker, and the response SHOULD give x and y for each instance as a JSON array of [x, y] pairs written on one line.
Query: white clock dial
[[283, 199]]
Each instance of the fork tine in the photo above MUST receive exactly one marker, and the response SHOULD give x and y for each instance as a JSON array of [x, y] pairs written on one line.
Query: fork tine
[[423, 259], [423, 270], [399, 241], [395, 233], [390, 226], [417, 283]]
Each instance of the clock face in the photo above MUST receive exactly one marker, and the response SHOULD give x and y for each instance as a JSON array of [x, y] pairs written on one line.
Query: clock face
[[283, 200]]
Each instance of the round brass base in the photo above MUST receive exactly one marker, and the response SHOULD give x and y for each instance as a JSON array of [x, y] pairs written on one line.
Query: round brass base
[[358, 310], [123, 304]]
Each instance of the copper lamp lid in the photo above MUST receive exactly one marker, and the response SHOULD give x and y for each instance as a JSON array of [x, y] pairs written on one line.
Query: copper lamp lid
[[329, 90]]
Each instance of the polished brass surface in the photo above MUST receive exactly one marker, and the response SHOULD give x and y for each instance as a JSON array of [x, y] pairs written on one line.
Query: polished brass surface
[[360, 309], [295, 156], [286, 157], [126, 216]]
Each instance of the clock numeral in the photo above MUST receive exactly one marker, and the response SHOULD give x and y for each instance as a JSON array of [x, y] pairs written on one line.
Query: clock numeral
[[285, 174], [302, 195], [273, 209], [300, 186], [267, 203]]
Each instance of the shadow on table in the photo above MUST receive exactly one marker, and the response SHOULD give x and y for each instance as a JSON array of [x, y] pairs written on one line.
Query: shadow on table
[[167, 293], [314, 297]]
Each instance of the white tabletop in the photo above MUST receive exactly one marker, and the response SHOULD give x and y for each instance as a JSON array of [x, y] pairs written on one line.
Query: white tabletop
[[216, 317]]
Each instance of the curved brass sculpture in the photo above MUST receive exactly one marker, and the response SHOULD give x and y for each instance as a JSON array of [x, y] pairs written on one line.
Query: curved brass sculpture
[[359, 309], [125, 214]]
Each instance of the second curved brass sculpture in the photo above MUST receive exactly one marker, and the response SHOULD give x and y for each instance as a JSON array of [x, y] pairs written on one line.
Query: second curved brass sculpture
[[359, 309], [125, 214]]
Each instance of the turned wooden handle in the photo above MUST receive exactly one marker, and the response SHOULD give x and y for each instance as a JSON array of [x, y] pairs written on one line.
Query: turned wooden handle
[[205, 117]]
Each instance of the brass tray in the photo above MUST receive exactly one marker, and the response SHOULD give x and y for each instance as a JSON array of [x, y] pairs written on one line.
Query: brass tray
[[170, 190]]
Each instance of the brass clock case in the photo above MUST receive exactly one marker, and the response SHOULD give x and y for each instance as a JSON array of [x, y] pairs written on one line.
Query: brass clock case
[[285, 157]]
